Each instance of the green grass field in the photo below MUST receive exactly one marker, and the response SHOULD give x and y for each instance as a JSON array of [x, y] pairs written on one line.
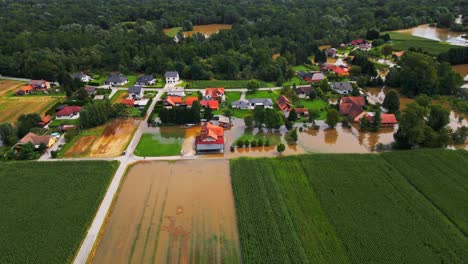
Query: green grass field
[[47, 208], [402, 41], [131, 80], [155, 145], [272, 138], [397, 207], [316, 104], [232, 96], [264, 94], [173, 32], [201, 84]]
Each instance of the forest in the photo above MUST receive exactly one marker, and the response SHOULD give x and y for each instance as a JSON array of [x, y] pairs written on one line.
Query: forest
[[45, 38]]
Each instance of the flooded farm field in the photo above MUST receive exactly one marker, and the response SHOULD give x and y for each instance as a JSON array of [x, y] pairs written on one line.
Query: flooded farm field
[[109, 143], [164, 214], [438, 34]]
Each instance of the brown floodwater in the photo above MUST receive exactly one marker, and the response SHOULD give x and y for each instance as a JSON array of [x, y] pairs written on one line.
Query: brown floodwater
[[439, 34], [164, 214], [461, 69]]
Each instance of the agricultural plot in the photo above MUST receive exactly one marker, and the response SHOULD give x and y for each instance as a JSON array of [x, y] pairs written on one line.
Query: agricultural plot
[[356, 208], [109, 140], [47, 208], [404, 41], [164, 214]]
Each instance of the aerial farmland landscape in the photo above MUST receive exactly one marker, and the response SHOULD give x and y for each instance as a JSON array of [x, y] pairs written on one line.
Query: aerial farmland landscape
[[272, 131]]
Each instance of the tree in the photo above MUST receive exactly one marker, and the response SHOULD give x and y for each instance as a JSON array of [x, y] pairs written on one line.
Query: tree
[[208, 114], [324, 86], [417, 75], [7, 134], [292, 115], [272, 119], [82, 95], [26, 152], [459, 136], [252, 86], [259, 116], [332, 117], [249, 120], [411, 127], [364, 124], [392, 101], [423, 100], [355, 91], [387, 50], [313, 114], [438, 117], [372, 34], [313, 95], [320, 56], [280, 148], [188, 26], [376, 121], [292, 135], [26, 122]]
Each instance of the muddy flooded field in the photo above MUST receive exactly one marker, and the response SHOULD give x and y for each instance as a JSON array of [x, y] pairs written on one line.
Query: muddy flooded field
[[164, 214], [439, 34], [461, 69]]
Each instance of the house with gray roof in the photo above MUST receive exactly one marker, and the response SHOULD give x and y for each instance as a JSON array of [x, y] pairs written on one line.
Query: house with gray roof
[[116, 79], [146, 80], [252, 103], [172, 77], [241, 104], [342, 87], [81, 76], [136, 92]]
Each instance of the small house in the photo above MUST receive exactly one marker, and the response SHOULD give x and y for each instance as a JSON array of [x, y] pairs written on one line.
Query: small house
[[36, 140], [212, 104], [284, 104], [342, 87], [68, 112], [128, 102], [352, 106], [25, 90], [81, 76], [141, 103], [331, 52], [146, 80], [388, 120], [45, 120], [304, 91], [172, 101], [172, 77], [240, 104], [40, 84], [116, 80], [214, 93], [98, 97], [302, 112], [224, 121], [260, 102], [211, 139], [176, 91], [365, 46], [135, 92], [90, 89]]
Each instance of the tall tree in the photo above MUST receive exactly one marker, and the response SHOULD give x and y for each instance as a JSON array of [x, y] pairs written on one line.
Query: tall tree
[[332, 117], [392, 101]]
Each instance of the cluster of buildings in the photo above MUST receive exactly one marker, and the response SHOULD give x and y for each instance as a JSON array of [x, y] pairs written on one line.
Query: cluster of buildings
[[34, 85], [353, 107]]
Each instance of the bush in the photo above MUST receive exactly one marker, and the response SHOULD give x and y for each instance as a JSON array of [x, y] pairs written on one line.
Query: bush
[[54, 154], [267, 143], [253, 143], [260, 142], [240, 143]]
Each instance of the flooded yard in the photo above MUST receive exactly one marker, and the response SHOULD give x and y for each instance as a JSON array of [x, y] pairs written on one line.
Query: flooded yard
[[164, 214], [438, 34]]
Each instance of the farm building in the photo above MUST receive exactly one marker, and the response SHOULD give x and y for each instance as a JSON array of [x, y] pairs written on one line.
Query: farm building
[[172, 77], [40, 84], [146, 80], [116, 79], [352, 106], [211, 139], [68, 112], [25, 90], [36, 140]]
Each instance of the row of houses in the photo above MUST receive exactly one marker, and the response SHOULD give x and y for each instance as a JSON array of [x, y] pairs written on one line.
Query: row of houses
[[172, 77]]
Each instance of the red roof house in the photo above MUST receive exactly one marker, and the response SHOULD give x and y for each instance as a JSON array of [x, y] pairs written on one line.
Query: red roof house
[[190, 99], [284, 104], [211, 138], [213, 104], [45, 120], [39, 84], [302, 111], [388, 119], [352, 106], [214, 93], [128, 102], [68, 112]]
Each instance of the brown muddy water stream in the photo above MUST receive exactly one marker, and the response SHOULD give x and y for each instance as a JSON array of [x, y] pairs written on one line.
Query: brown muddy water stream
[[439, 34]]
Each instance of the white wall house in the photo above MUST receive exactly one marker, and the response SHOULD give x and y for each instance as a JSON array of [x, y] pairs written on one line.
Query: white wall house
[[172, 77]]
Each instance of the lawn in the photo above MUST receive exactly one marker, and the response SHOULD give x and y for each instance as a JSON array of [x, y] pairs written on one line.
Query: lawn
[[272, 138], [46, 209], [397, 207], [155, 145], [232, 96], [119, 96], [402, 41], [56, 123], [316, 104], [264, 94], [131, 80], [98, 80], [172, 32], [201, 84]]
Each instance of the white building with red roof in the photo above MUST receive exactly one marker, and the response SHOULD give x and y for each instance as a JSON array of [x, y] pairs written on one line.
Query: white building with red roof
[[211, 139]]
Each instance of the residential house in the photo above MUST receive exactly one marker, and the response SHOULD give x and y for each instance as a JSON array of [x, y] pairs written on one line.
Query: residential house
[[340, 70], [172, 77], [211, 139], [352, 106], [365, 46], [387, 120], [357, 42], [304, 91], [36, 140], [224, 121], [25, 90], [241, 104], [128, 102], [312, 77], [40, 84], [260, 102], [331, 52], [398, 54], [146, 80], [45, 120], [90, 89], [284, 104], [342, 87], [214, 93], [141, 103], [98, 97], [302, 112], [135, 92], [81, 76], [65, 128], [213, 104], [175, 101], [68, 112], [116, 80], [176, 91]]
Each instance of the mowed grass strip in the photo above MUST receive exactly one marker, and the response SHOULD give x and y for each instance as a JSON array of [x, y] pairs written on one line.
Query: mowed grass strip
[[347, 207], [47, 208]]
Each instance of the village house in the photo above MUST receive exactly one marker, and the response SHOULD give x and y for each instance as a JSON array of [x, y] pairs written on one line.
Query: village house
[[365, 46], [357, 42], [40, 84], [302, 112], [312, 77], [90, 89], [342, 87], [36, 140], [211, 139], [81, 76], [331, 52], [25, 90], [252, 103], [128, 102], [178, 101], [387, 120], [141, 103], [340, 70], [172, 77], [135, 92], [224, 121], [284, 104], [45, 120], [214, 93], [352, 106], [68, 112], [398, 54], [176, 91], [212, 104], [116, 80], [146, 80], [304, 91]]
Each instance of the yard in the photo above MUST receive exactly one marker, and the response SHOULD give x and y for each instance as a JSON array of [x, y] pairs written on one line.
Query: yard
[[46, 209], [201, 84], [342, 208], [119, 96], [264, 94], [316, 104], [156, 145]]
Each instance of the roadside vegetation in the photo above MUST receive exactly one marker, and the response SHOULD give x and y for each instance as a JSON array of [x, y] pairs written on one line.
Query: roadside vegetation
[[369, 208], [48, 207]]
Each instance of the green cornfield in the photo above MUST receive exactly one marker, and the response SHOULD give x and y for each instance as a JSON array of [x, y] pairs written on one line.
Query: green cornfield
[[47, 207], [342, 208]]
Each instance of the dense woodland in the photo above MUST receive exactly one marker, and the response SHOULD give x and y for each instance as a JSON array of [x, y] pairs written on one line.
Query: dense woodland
[[43, 38]]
